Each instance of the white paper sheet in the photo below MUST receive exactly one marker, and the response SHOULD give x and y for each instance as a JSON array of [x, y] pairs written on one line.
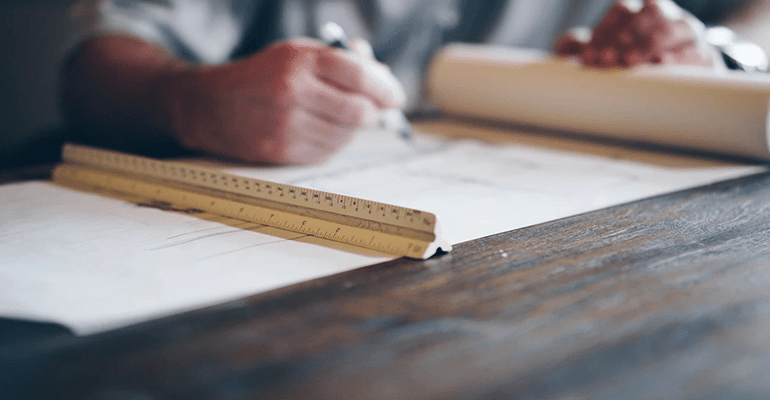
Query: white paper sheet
[[94, 263]]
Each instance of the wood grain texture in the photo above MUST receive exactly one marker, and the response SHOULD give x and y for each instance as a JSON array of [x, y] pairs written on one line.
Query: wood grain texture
[[663, 298]]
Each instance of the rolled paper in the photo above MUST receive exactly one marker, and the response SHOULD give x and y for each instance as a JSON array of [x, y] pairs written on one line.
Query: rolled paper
[[695, 108]]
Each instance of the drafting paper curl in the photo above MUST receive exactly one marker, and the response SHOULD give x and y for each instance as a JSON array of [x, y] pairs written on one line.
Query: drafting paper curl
[[686, 107]]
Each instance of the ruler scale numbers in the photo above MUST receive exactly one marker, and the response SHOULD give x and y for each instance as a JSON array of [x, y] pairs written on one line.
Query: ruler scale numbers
[[358, 222]]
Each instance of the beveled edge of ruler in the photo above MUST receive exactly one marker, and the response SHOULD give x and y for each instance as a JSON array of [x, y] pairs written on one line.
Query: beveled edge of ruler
[[405, 221]]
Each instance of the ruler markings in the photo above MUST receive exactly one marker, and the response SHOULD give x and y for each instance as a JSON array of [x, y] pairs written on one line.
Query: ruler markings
[[218, 180], [387, 243], [393, 229]]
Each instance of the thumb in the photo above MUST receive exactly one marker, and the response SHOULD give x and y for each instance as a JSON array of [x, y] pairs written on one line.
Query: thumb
[[362, 47]]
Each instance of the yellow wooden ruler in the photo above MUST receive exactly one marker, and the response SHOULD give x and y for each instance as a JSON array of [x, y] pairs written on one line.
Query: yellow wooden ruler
[[382, 227]]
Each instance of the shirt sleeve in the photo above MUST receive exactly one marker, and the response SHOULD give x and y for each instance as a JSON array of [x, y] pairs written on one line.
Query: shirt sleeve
[[203, 31]]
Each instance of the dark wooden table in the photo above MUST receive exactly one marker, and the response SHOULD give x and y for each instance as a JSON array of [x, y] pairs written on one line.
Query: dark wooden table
[[665, 298]]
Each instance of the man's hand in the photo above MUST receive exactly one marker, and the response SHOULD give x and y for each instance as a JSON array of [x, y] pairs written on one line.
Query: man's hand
[[295, 102], [633, 33]]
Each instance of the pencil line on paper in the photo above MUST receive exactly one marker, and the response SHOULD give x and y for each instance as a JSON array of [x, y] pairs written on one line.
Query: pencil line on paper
[[251, 247], [241, 225], [170, 245]]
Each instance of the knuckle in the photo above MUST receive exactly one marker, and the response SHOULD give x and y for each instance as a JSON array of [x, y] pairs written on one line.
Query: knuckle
[[354, 74], [317, 96], [279, 91], [286, 52], [286, 89], [289, 72]]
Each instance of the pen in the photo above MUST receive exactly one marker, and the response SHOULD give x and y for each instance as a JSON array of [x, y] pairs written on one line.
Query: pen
[[334, 36]]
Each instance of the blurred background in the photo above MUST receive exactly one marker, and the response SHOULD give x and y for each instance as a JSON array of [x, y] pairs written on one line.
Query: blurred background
[[32, 40], [33, 36]]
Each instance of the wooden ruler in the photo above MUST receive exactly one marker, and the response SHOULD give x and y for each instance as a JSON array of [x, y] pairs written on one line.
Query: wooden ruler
[[377, 226]]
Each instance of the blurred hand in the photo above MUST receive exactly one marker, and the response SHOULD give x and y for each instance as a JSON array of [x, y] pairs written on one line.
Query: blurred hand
[[297, 101], [635, 32]]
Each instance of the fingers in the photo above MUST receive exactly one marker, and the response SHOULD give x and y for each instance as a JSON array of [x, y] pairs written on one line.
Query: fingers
[[362, 47], [315, 138], [322, 103], [351, 73], [295, 102], [337, 106], [659, 38], [633, 33], [647, 33], [674, 35], [610, 37], [573, 43], [607, 32], [687, 55], [295, 136], [669, 39], [306, 138]]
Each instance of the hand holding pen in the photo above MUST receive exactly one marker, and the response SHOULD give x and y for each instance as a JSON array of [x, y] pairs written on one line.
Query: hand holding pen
[[391, 119], [295, 102]]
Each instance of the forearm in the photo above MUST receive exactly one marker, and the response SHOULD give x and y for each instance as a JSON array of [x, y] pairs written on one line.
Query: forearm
[[121, 92], [297, 101]]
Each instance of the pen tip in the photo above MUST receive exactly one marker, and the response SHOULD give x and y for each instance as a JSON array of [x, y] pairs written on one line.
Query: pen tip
[[406, 133], [331, 32]]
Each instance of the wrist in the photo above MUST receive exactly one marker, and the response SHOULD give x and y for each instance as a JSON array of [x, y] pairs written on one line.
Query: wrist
[[119, 92], [165, 100], [174, 105]]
